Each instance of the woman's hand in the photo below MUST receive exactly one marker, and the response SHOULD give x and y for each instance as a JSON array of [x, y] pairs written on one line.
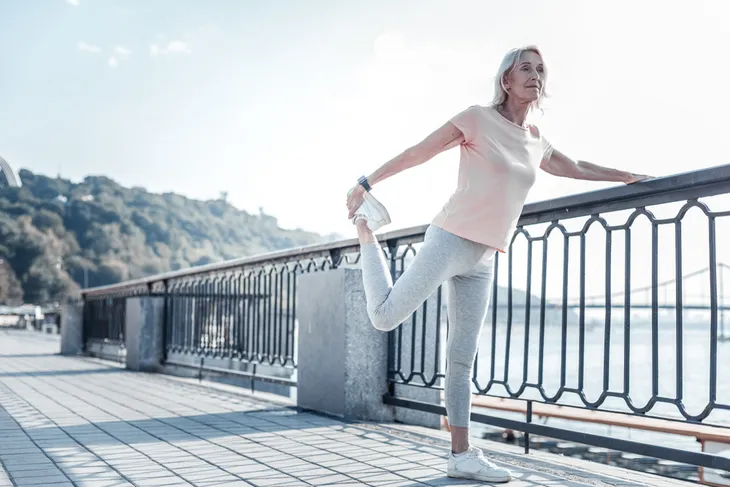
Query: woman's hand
[[355, 198]]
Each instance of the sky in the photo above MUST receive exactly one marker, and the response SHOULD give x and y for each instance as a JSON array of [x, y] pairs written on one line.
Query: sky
[[283, 104]]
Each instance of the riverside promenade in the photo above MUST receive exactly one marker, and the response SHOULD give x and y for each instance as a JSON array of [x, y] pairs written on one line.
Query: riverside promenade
[[75, 421]]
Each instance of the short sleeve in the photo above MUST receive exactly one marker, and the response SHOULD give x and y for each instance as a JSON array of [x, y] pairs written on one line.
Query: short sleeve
[[547, 151], [467, 121], [547, 147]]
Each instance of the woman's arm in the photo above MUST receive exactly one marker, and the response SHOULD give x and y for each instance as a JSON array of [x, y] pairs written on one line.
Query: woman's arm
[[443, 138], [563, 166]]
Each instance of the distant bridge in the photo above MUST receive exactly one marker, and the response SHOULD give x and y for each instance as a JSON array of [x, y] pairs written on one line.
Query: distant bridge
[[642, 297], [706, 292], [700, 280]]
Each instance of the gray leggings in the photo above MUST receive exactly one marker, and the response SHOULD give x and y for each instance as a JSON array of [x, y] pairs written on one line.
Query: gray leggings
[[467, 268]]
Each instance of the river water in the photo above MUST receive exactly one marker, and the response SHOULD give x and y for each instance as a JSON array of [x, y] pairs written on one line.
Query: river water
[[694, 373]]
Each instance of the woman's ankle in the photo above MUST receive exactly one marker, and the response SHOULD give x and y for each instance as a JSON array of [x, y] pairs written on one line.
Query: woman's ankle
[[459, 439], [364, 234]]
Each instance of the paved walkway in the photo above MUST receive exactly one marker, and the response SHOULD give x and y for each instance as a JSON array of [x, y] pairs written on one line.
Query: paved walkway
[[80, 422]]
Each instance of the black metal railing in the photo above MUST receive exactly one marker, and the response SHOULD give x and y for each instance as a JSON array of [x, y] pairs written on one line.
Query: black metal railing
[[103, 326], [105, 308], [564, 326], [245, 314], [236, 317], [611, 300]]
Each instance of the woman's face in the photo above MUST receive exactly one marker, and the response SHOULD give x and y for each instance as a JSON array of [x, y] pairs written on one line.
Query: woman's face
[[527, 79]]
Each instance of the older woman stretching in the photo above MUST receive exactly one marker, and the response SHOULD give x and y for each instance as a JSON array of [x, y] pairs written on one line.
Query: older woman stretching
[[500, 155]]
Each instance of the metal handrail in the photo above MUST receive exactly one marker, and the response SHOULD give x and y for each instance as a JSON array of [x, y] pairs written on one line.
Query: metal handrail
[[714, 180]]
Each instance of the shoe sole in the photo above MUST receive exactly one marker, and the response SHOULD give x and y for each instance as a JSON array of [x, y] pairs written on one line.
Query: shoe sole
[[468, 476]]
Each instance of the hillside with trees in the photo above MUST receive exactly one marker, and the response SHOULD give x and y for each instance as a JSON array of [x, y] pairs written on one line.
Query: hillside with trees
[[55, 234]]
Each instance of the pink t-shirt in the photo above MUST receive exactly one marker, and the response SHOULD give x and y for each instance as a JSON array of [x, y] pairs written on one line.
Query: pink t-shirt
[[498, 166]]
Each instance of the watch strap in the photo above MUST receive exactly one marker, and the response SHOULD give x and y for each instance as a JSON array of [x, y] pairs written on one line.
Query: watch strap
[[364, 183]]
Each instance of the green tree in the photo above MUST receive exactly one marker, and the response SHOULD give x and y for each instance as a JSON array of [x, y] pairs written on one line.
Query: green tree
[[11, 291], [55, 234]]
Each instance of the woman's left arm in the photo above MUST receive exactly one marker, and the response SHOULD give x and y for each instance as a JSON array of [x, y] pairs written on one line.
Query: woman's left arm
[[563, 166]]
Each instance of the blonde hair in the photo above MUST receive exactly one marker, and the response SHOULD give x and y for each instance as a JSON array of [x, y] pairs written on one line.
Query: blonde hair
[[509, 62]]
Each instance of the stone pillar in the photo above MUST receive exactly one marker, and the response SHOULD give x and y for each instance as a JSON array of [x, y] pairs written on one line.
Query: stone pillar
[[72, 328], [343, 359], [144, 333]]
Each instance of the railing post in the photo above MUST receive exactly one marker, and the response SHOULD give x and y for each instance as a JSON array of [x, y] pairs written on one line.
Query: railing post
[[144, 334], [335, 255], [528, 419], [392, 250], [253, 378], [165, 316], [342, 367], [72, 327]]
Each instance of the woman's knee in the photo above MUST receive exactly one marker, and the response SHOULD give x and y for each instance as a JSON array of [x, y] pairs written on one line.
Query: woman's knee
[[459, 365], [383, 324], [382, 320]]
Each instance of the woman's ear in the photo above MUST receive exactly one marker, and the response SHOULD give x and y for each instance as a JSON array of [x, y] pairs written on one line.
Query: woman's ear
[[505, 82]]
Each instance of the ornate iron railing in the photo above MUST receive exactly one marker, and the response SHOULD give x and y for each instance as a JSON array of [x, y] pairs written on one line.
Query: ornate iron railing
[[245, 314], [104, 311], [542, 340], [596, 306], [237, 317], [103, 326]]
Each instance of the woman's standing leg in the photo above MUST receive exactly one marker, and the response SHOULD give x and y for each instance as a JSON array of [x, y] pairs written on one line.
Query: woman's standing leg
[[467, 303]]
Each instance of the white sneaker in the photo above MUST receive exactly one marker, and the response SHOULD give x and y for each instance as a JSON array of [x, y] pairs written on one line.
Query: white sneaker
[[472, 465], [373, 212]]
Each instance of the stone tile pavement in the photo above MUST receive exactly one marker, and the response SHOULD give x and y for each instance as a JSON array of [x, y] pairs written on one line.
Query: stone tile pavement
[[80, 422]]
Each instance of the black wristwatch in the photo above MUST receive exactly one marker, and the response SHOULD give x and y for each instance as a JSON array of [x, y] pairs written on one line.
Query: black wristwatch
[[364, 183]]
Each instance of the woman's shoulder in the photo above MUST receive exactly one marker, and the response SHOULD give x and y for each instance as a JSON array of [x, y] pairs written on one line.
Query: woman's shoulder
[[482, 113], [482, 109]]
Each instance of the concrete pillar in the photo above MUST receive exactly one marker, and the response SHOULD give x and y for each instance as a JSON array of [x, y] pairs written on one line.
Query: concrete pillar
[[342, 367], [72, 328], [144, 333]]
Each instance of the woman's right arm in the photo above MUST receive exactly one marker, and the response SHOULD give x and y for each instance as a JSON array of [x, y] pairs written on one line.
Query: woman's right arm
[[440, 140]]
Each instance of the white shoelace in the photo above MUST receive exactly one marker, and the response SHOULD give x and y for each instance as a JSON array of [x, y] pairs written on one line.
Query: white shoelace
[[479, 455]]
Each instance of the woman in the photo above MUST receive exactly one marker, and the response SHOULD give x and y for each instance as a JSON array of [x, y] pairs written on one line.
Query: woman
[[500, 155]]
